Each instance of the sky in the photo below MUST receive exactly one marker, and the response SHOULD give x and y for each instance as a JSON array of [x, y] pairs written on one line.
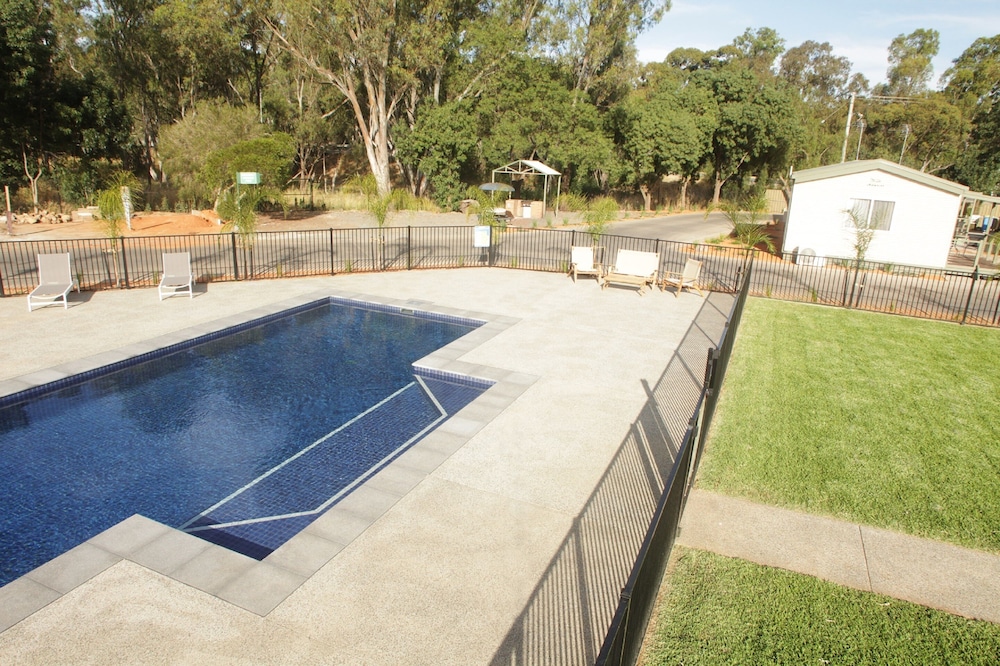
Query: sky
[[860, 30]]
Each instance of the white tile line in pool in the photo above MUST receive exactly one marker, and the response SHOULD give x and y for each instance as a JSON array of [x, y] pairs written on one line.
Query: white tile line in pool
[[259, 586], [442, 415]]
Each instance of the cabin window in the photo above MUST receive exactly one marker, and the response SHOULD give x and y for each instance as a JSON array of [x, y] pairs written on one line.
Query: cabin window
[[871, 214]]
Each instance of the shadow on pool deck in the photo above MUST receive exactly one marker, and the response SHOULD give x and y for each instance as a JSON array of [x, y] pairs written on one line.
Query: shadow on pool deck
[[571, 608]]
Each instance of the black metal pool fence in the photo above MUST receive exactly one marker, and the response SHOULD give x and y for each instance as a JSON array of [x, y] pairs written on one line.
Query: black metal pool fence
[[637, 600], [102, 263]]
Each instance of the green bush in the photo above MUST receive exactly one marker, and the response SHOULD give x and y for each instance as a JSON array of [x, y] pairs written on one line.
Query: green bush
[[599, 215], [572, 202], [271, 156]]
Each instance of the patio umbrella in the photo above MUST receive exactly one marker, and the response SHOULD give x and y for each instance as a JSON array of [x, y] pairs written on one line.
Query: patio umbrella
[[496, 187]]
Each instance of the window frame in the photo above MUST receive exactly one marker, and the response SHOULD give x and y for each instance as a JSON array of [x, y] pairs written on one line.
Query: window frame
[[871, 209]]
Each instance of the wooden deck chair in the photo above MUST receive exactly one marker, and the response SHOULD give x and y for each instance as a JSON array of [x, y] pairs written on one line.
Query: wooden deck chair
[[633, 268], [686, 279], [177, 277], [583, 261], [55, 279]]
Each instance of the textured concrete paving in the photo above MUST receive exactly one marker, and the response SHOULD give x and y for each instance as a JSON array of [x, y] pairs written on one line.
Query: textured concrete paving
[[440, 572], [926, 572]]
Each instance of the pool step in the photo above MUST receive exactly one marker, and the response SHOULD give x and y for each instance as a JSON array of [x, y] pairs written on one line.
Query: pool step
[[265, 513]]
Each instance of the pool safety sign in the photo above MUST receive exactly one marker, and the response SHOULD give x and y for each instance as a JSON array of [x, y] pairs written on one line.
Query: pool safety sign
[[481, 237]]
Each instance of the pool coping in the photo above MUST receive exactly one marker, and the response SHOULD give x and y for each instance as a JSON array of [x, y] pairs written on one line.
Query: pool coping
[[259, 586]]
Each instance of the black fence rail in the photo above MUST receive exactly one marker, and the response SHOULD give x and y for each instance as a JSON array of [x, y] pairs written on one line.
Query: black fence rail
[[638, 598], [103, 263], [946, 294], [931, 293]]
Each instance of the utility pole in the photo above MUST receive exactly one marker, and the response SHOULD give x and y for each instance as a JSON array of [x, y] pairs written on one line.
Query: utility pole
[[850, 117], [861, 134], [847, 128]]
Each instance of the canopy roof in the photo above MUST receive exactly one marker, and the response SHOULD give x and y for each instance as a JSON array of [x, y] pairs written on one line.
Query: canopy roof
[[527, 168]]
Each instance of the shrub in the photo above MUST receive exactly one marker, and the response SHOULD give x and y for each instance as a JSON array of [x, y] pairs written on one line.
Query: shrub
[[599, 215], [572, 202]]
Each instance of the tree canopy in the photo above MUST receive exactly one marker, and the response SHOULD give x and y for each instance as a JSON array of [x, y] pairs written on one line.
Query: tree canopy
[[433, 94]]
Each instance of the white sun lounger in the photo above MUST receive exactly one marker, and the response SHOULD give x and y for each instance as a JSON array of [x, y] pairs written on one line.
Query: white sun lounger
[[633, 268], [177, 276], [55, 279]]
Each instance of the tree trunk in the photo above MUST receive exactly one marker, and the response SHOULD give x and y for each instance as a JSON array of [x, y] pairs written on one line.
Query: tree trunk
[[32, 179], [646, 197], [719, 182], [684, 193]]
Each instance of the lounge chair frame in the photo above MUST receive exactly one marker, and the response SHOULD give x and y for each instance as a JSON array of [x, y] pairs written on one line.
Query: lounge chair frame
[[686, 279], [55, 280], [177, 275]]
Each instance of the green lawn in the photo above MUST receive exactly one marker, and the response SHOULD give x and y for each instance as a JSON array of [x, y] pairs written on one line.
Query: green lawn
[[878, 419], [717, 610]]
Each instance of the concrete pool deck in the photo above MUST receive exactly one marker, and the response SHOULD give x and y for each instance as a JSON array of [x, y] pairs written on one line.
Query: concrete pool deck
[[434, 568]]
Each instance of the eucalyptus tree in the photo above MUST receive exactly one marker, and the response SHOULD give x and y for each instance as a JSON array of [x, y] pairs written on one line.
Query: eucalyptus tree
[[202, 45], [54, 118], [821, 81], [534, 113], [381, 55], [974, 77], [924, 132], [815, 72], [979, 166], [973, 84], [757, 50], [441, 146], [910, 62], [130, 48], [595, 39], [299, 101], [528, 110]]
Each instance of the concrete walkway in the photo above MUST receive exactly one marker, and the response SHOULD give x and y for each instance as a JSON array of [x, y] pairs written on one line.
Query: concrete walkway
[[931, 573]]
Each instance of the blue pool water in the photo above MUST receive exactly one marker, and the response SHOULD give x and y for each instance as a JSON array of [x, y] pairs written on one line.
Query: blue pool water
[[241, 439]]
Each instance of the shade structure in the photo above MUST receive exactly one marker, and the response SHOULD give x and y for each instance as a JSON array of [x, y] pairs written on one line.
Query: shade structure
[[534, 168]]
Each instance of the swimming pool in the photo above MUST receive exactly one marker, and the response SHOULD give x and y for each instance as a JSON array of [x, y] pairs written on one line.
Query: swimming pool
[[241, 437]]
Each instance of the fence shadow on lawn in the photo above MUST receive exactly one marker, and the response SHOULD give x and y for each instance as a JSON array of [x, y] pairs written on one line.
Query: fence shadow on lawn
[[569, 612]]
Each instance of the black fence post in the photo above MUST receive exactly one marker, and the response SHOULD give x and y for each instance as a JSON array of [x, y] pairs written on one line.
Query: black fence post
[[854, 283], [121, 240], [236, 261], [332, 272], [972, 289], [409, 247]]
